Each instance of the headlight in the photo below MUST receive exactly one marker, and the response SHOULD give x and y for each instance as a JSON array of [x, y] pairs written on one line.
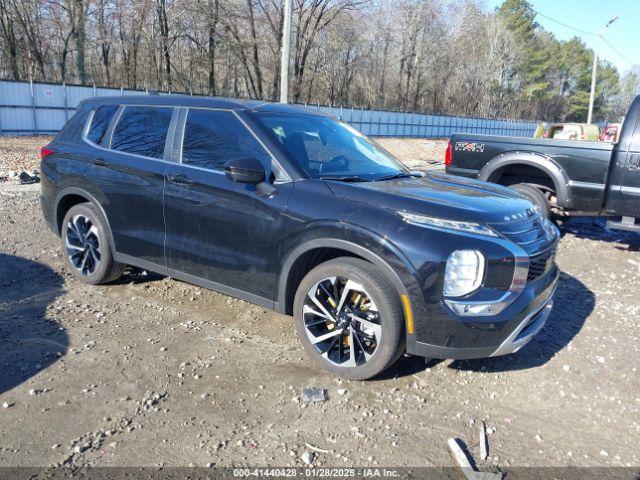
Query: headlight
[[464, 272], [441, 223]]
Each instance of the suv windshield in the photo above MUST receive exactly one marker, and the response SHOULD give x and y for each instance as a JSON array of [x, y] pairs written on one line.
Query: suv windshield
[[330, 149]]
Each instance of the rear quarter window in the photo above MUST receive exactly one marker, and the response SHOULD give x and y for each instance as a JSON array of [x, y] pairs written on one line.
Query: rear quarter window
[[72, 130], [142, 131], [100, 123]]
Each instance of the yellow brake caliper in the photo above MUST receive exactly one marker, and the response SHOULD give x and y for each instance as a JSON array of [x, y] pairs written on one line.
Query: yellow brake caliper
[[356, 297], [330, 324]]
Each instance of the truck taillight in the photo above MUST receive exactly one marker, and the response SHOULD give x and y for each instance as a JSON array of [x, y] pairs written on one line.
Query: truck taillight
[[45, 152], [447, 155]]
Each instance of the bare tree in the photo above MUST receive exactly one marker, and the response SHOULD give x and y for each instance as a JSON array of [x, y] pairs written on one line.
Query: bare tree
[[10, 40], [416, 55], [163, 26], [77, 12]]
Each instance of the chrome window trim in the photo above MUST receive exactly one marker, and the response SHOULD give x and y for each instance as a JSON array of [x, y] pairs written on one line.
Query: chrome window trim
[[116, 121], [89, 122], [87, 127], [117, 116], [273, 158], [177, 108], [183, 128], [115, 126]]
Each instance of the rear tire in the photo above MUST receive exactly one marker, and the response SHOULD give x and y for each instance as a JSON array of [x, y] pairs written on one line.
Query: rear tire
[[536, 196], [365, 335], [86, 241]]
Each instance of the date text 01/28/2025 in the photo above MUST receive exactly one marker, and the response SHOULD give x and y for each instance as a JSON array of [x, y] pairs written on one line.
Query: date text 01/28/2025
[[292, 472]]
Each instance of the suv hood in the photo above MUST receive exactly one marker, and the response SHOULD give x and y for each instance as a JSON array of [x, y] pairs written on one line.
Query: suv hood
[[439, 195]]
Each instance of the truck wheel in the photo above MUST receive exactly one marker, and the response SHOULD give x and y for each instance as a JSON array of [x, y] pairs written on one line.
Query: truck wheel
[[535, 196], [349, 318], [86, 241]]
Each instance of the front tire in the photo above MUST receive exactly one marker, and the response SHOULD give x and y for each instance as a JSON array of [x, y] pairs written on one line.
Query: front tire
[[349, 318], [87, 245], [536, 196]]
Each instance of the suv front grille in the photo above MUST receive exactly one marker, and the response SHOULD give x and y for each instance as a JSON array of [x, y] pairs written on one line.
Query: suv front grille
[[540, 264], [528, 234], [531, 236]]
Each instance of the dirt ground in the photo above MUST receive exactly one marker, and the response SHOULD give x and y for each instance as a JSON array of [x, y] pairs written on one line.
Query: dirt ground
[[418, 153], [151, 371], [20, 153]]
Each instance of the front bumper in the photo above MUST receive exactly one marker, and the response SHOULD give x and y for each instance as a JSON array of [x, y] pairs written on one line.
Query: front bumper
[[529, 327], [509, 336]]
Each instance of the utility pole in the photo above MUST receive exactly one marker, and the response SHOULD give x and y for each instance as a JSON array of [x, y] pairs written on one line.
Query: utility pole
[[284, 59], [595, 66]]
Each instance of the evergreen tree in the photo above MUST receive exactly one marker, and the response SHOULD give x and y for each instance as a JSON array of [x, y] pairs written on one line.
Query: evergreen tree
[[556, 75]]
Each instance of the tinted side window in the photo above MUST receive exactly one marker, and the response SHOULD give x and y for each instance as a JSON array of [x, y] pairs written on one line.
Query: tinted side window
[[212, 137], [74, 128], [142, 130], [100, 122]]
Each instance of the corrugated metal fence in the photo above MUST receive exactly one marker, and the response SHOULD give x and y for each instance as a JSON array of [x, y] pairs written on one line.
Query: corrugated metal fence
[[42, 108]]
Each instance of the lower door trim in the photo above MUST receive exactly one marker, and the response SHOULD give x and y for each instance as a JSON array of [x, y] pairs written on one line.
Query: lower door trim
[[201, 282]]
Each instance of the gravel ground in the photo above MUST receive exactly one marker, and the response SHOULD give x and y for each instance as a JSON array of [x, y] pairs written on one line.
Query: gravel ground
[[150, 371], [418, 153], [21, 153]]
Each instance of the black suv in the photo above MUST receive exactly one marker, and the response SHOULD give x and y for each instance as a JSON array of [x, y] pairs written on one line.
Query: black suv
[[298, 212]]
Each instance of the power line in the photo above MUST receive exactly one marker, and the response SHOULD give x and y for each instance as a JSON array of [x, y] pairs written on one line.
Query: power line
[[617, 52], [561, 23], [585, 33]]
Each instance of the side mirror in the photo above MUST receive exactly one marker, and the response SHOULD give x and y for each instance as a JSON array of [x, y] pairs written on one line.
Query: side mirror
[[245, 170]]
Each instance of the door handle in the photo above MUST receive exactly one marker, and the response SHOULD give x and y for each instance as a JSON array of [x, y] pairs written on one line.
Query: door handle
[[180, 179], [99, 162]]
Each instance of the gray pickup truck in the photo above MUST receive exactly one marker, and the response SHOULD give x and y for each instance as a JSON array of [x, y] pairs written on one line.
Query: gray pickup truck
[[577, 177]]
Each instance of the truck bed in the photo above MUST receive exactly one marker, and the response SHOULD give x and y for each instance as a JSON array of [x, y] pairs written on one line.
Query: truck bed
[[585, 164]]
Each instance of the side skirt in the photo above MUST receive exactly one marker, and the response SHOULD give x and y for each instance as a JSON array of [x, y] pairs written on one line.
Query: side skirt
[[201, 282]]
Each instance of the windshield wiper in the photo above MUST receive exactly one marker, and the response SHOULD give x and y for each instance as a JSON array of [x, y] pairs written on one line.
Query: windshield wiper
[[396, 175], [346, 178]]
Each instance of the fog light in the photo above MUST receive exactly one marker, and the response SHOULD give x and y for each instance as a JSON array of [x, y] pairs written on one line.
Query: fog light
[[464, 273]]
